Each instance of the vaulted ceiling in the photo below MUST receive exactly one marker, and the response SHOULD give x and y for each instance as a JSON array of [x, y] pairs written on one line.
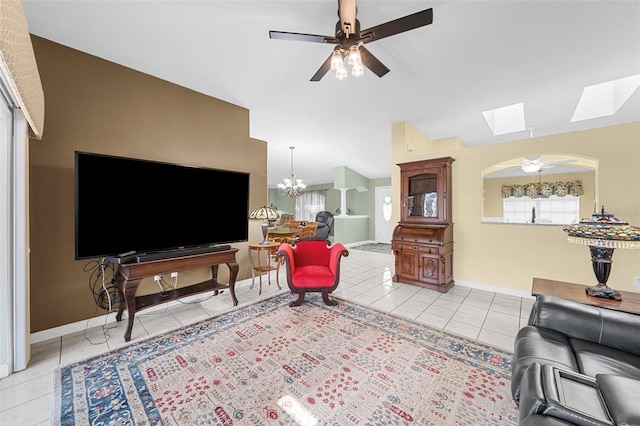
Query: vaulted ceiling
[[476, 56]]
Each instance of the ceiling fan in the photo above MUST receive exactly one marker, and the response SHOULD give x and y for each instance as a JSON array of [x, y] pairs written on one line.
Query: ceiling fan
[[532, 163], [350, 40]]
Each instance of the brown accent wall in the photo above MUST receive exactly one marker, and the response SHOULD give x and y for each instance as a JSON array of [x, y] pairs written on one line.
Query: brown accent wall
[[97, 106]]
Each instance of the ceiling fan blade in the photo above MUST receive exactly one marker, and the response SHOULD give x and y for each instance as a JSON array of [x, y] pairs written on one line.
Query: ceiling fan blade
[[324, 68], [568, 160], [371, 62], [397, 26], [506, 166], [313, 38]]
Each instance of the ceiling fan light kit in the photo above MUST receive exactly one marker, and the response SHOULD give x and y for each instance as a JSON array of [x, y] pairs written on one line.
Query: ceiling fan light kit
[[350, 40], [530, 167], [533, 164], [353, 58]]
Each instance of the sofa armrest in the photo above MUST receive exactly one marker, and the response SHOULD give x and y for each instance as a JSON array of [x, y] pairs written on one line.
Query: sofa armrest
[[561, 394], [621, 396], [615, 329]]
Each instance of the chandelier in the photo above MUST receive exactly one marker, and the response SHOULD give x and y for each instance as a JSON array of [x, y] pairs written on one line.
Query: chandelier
[[292, 186], [354, 60]]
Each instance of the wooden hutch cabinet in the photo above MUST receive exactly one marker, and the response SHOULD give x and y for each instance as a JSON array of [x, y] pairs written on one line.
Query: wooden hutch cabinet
[[423, 240]]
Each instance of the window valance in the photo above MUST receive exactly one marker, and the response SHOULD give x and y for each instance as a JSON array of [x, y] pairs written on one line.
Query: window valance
[[545, 188], [18, 64]]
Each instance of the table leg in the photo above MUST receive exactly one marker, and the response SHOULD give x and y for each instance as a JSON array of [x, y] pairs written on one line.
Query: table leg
[[120, 284], [253, 272], [277, 265], [130, 288], [233, 274], [269, 267], [259, 272]]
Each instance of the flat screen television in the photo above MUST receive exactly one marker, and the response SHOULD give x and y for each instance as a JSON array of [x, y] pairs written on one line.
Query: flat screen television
[[125, 205]]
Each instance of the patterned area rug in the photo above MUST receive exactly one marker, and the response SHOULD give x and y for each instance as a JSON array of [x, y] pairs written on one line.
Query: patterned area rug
[[269, 364], [376, 247]]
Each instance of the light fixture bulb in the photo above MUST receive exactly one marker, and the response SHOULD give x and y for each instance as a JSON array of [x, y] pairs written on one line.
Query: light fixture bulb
[[341, 73], [336, 60], [354, 56], [357, 70]]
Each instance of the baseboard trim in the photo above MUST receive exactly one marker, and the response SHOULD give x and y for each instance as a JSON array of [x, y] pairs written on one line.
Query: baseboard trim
[[63, 330], [359, 243], [495, 289], [57, 332], [4, 371]]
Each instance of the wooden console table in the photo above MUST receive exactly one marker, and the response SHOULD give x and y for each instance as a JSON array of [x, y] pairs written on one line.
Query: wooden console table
[[129, 275], [630, 300]]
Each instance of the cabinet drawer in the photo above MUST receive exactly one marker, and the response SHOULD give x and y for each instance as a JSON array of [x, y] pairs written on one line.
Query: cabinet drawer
[[419, 248]]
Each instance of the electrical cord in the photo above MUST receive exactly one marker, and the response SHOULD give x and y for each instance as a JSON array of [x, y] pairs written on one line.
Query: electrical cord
[[105, 293], [101, 284]]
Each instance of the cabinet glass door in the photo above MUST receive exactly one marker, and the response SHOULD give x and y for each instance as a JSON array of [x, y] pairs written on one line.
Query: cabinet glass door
[[423, 196]]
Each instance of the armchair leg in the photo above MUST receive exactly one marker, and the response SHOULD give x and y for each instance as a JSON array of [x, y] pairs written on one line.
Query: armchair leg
[[300, 299], [327, 301]]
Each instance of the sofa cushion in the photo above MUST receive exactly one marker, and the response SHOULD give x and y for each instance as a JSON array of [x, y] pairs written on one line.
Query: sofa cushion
[[599, 359], [538, 344]]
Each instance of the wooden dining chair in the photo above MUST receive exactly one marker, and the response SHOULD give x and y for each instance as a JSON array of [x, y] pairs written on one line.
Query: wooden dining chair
[[294, 224], [285, 218], [308, 231]]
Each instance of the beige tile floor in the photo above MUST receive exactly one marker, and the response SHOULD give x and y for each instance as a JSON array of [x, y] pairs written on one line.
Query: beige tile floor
[[485, 316]]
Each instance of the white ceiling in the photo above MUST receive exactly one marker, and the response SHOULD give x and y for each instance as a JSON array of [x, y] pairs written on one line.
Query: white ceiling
[[476, 56]]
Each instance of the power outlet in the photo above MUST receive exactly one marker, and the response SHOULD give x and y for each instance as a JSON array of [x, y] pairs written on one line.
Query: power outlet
[[174, 274], [637, 281], [156, 277]]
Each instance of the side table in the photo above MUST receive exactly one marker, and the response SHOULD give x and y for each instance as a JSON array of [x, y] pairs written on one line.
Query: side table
[[630, 300], [270, 248]]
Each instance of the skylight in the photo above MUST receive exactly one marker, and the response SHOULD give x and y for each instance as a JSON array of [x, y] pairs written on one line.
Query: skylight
[[604, 99], [508, 119]]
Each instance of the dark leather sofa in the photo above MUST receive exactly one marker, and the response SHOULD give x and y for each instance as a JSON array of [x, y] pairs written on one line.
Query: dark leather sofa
[[577, 364]]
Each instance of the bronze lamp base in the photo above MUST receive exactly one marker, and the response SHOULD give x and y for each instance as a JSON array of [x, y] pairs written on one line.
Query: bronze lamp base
[[603, 290], [601, 261]]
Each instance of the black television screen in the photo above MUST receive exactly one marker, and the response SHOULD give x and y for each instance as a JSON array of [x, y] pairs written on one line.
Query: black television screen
[[130, 205]]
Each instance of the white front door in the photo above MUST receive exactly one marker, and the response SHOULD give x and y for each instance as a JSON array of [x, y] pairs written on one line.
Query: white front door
[[384, 227]]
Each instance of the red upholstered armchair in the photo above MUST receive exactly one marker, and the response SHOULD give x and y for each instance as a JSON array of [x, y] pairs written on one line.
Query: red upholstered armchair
[[313, 264]]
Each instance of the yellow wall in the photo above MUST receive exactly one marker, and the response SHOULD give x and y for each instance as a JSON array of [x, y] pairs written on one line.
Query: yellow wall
[[97, 106], [509, 256]]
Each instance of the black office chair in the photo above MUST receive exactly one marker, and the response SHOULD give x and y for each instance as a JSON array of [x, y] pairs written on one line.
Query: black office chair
[[325, 220]]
